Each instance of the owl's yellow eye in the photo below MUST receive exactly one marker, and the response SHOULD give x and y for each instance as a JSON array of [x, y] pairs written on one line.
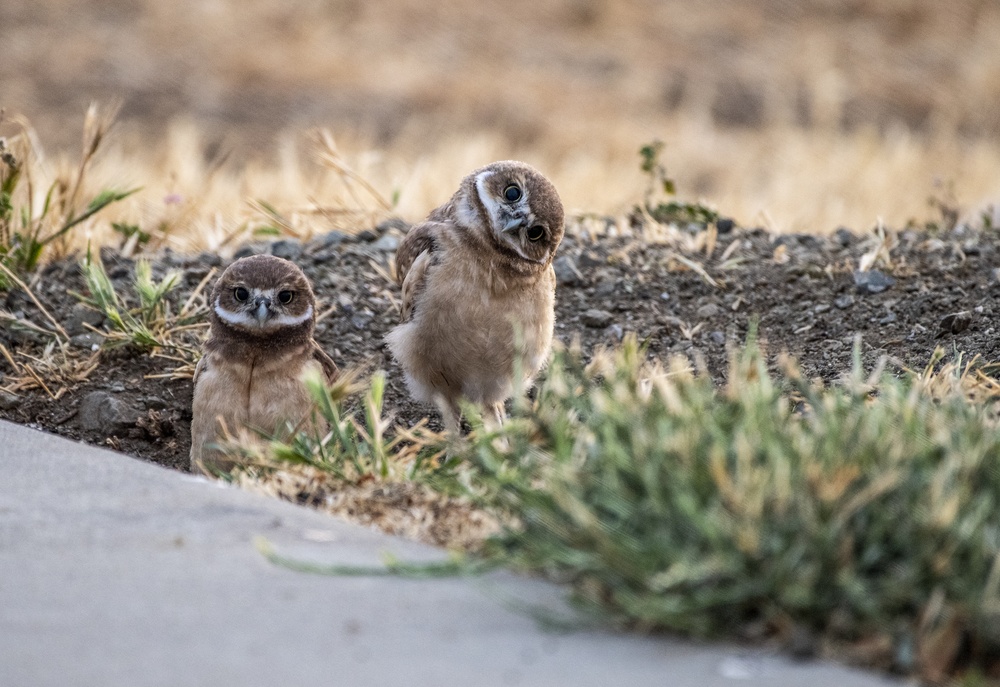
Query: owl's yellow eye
[[535, 233], [285, 297], [241, 294], [512, 193]]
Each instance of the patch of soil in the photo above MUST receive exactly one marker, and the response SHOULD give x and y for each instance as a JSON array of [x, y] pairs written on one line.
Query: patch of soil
[[934, 290]]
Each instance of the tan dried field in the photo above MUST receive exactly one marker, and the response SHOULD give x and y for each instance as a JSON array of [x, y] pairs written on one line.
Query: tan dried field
[[796, 116]]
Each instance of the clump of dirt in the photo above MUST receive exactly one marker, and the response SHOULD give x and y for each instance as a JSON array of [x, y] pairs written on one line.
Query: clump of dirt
[[681, 293]]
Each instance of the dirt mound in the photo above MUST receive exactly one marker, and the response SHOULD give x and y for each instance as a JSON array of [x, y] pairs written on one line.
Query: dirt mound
[[681, 293]]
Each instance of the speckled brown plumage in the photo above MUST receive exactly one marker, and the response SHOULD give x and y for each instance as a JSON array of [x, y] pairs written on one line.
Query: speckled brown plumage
[[479, 290], [259, 348]]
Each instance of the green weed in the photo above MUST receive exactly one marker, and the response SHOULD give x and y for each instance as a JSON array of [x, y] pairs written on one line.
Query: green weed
[[668, 211]]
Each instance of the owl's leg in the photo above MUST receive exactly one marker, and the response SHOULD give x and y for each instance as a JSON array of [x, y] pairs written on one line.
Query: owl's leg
[[496, 412], [451, 415], [493, 419]]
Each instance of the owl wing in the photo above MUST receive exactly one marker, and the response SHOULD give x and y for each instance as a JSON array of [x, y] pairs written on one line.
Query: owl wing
[[199, 368], [414, 255], [330, 370]]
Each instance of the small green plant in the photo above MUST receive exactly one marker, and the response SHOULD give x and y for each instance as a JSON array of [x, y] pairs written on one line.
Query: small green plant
[[131, 232], [668, 211], [349, 448], [26, 230], [152, 323]]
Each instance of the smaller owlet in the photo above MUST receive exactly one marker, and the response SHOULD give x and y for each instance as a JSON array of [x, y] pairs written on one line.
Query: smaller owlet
[[479, 291], [259, 346]]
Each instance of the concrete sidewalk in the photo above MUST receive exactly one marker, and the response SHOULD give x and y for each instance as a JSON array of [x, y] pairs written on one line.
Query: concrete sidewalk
[[118, 573]]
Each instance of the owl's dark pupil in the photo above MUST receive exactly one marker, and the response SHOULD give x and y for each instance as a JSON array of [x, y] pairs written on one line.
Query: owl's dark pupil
[[285, 297], [241, 294], [512, 193], [535, 233]]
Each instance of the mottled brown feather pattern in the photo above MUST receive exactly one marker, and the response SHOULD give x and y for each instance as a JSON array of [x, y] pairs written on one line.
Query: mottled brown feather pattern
[[476, 276], [250, 376]]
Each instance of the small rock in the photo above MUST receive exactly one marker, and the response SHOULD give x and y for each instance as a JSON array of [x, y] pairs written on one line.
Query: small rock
[[8, 401], [387, 244], [81, 315], [248, 250], [362, 319], [330, 239], [208, 259], [708, 311], [821, 308], [567, 273], [889, 318], [598, 319], [100, 410], [154, 403], [724, 225], [606, 289], [872, 281], [972, 247], [844, 302], [616, 331], [367, 235], [718, 338], [843, 237], [664, 296], [289, 249], [591, 258], [88, 341], [954, 323]]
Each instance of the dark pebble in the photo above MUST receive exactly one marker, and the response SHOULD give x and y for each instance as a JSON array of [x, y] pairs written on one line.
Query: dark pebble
[[872, 281], [724, 225], [708, 311], [844, 302], [100, 410], [598, 319], [289, 249], [567, 273], [843, 237], [8, 401], [954, 323]]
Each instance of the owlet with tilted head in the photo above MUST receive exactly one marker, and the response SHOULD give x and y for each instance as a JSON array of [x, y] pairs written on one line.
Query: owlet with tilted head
[[259, 347], [479, 291]]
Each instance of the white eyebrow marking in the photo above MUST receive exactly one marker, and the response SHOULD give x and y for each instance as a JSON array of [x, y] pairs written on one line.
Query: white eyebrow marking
[[491, 205]]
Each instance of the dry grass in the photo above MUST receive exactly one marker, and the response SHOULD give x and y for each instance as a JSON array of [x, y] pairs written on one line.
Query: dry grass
[[796, 116]]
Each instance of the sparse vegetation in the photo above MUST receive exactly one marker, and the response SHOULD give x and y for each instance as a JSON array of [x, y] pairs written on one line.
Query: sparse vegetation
[[27, 229], [859, 514], [151, 325], [669, 211]]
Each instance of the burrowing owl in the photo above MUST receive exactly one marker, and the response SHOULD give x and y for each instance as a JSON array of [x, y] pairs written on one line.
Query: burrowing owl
[[260, 344], [479, 291]]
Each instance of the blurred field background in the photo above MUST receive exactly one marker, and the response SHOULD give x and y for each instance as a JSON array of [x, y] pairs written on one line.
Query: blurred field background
[[796, 115]]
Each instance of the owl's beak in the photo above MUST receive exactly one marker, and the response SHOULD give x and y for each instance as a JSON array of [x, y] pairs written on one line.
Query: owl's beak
[[513, 223], [263, 309]]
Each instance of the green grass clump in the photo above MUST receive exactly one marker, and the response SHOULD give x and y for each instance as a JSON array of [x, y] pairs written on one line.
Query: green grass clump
[[155, 324], [865, 514], [354, 444], [675, 505]]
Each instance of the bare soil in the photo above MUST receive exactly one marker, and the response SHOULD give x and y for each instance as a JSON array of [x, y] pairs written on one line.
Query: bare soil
[[802, 289]]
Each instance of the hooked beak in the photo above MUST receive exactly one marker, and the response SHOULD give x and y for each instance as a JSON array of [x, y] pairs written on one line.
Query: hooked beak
[[513, 223], [263, 309]]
